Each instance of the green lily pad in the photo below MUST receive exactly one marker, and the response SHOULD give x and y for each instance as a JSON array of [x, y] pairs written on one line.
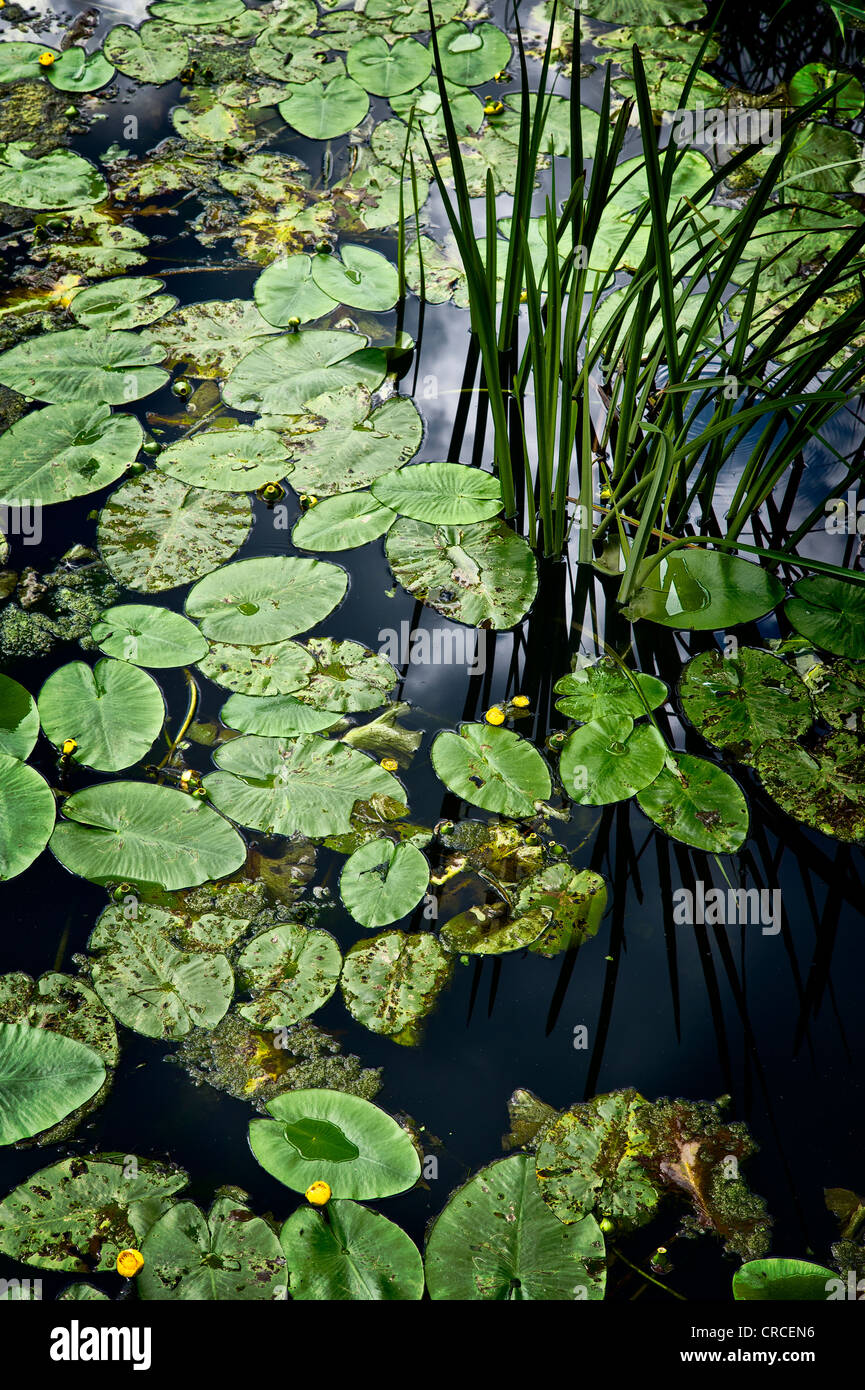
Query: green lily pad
[[21, 60], [147, 835], [576, 900], [382, 882], [322, 112], [342, 522], [60, 179], [209, 339], [391, 983], [815, 78], [80, 365], [275, 715], [79, 1214], [783, 1281], [196, 14], [353, 1254], [339, 446], [285, 291], [277, 669], [233, 460], [698, 803], [125, 303], [112, 710], [604, 689], [838, 692], [27, 812], [61, 1005], [155, 53], [705, 590], [830, 613], [411, 16], [304, 784], [496, 1240], [44, 1076], [337, 1138], [290, 972], [281, 375], [645, 11], [388, 70], [82, 1293], [490, 930], [155, 532], [265, 599], [76, 70], [445, 494], [738, 702], [359, 277], [492, 768], [153, 987], [65, 451], [213, 123], [610, 759], [472, 56], [148, 636], [19, 719], [824, 787], [347, 677], [227, 1255], [481, 575]]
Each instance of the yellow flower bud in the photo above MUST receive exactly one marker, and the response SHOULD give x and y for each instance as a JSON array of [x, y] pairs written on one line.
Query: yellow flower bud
[[129, 1262], [390, 764], [521, 701], [318, 1194], [46, 59], [493, 108], [496, 715], [69, 747]]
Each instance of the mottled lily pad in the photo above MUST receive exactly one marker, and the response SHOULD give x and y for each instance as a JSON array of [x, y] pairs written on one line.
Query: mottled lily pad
[[483, 575], [576, 900], [232, 460], [290, 972], [391, 983], [339, 446], [281, 376], [347, 677], [65, 451], [227, 1255], [738, 702], [276, 669], [823, 787], [698, 803]]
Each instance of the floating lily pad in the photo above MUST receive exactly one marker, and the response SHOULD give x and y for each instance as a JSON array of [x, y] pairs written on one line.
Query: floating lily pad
[[147, 835], [322, 112], [333, 1137], [125, 303], [610, 759], [815, 78], [211, 123], [79, 1214], [277, 669], [351, 1254], [496, 1240], [153, 987], [62, 1005], [575, 899], [27, 811], [265, 599], [347, 677], [604, 689], [304, 784], [382, 882], [339, 446], [280, 376], [227, 1255], [411, 16], [65, 451], [275, 715], [79, 365], [391, 983], [388, 70], [156, 532], [44, 1076], [482, 575], [76, 70], [838, 691], [60, 179], [19, 719], [195, 14], [209, 339], [465, 108], [472, 56], [831, 613], [112, 710], [492, 931], [704, 590], [782, 1281], [155, 53], [491, 767], [698, 803], [359, 277], [290, 971], [21, 60], [285, 291], [233, 460], [342, 522], [446, 494], [589, 1162], [738, 702], [148, 636], [823, 787]]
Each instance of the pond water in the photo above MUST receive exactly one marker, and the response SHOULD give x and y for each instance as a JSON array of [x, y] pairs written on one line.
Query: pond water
[[770, 1018]]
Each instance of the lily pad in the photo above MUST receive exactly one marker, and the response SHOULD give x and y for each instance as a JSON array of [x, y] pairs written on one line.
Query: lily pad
[[285, 291], [44, 1076], [79, 1214], [21, 60], [838, 692], [342, 522], [265, 599], [337, 1138], [232, 460], [604, 689], [347, 677], [391, 983], [290, 971], [472, 56], [738, 702], [112, 710], [388, 70], [493, 931], [19, 719], [281, 375], [304, 784], [482, 575], [698, 803], [351, 1254], [339, 446], [80, 365], [782, 1281], [276, 669], [610, 759], [65, 451], [575, 899], [492, 768], [147, 835], [496, 1240], [209, 339], [60, 179], [27, 812], [227, 1255], [359, 277], [446, 494], [195, 14], [127, 302], [322, 112], [823, 787], [275, 715], [830, 613], [62, 1005], [76, 70], [156, 532], [382, 882], [705, 590], [155, 53], [148, 636]]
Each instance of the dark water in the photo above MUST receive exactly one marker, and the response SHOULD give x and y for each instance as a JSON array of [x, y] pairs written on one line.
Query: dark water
[[775, 1021]]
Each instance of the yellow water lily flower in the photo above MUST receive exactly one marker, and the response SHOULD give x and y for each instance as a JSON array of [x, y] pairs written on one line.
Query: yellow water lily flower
[[69, 747], [129, 1262], [493, 108], [389, 764], [496, 715], [318, 1194], [521, 701], [46, 59]]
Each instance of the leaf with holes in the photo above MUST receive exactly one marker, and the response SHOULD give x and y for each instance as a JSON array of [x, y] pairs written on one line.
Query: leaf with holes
[[492, 768]]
